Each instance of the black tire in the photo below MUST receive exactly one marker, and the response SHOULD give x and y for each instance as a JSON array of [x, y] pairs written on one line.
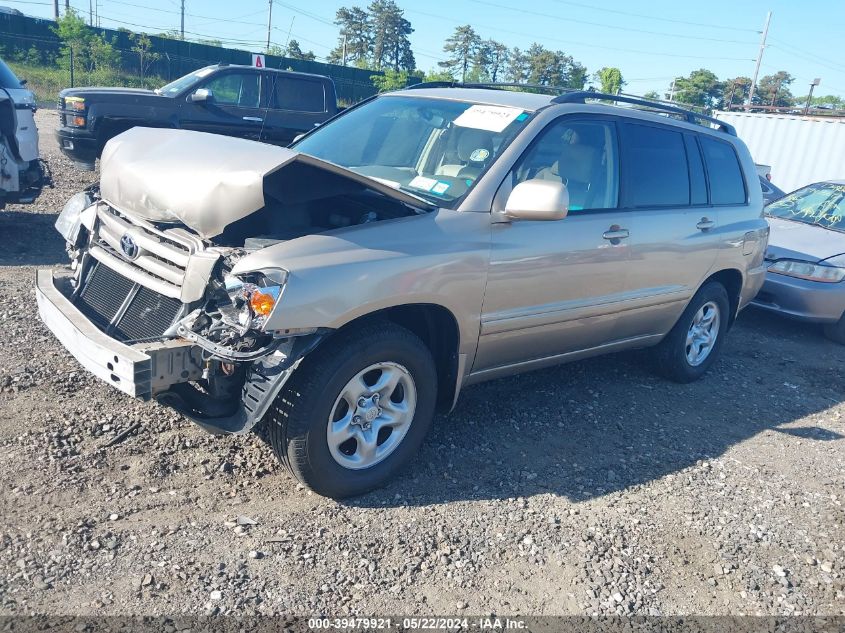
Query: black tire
[[670, 355], [297, 423], [836, 331]]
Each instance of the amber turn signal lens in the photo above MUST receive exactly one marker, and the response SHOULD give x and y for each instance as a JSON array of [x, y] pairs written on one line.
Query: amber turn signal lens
[[261, 303], [79, 121]]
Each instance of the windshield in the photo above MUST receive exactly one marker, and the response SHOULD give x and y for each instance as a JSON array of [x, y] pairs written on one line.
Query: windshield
[[821, 204], [433, 148], [7, 77], [175, 87]]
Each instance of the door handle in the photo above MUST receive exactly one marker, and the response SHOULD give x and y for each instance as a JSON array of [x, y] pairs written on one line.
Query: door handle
[[705, 224], [258, 119], [615, 233]]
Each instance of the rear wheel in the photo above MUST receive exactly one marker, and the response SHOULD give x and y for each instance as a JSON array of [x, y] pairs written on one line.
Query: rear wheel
[[356, 410], [836, 331], [694, 343]]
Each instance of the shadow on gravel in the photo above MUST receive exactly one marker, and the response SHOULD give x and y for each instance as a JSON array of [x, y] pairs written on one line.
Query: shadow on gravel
[[30, 239], [607, 424]]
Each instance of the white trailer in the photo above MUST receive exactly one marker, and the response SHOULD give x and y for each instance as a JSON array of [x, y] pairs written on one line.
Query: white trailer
[[800, 149]]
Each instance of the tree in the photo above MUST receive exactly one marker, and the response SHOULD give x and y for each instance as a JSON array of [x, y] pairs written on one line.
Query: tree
[[517, 71], [735, 91], [773, 90], [390, 80], [355, 37], [102, 55], [491, 57], [390, 31], [143, 48], [652, 94], [437, 75], [295, 52], [701, 88], [554, 68], [837, 103], [610, 79], [74, 34], [462, 47]]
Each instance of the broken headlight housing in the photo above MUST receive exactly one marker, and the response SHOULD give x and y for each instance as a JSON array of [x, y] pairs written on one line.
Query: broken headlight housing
[[253, 297], [69, 221]]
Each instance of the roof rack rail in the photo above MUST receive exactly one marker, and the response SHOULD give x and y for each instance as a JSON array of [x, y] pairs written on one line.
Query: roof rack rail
[[493, 85], [580, 96]]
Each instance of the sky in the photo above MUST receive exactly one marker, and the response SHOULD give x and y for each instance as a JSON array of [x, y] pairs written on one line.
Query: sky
[[651, 42]]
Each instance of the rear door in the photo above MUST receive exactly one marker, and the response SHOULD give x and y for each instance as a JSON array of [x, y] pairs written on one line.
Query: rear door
[[235, 109], [297, 104], [674, 228]]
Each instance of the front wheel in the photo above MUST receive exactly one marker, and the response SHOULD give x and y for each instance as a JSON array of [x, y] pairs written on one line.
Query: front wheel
[[694, 343], [356, 410]]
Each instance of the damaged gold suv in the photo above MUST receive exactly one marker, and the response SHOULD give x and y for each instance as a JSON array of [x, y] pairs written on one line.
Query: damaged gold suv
[[341, 291]]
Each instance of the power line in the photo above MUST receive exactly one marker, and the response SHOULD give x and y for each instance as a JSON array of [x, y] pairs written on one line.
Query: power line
[[570, 42], [627, 29], [657, 17]]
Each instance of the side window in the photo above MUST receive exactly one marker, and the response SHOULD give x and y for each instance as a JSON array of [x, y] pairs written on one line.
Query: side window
[[580, 154], [656, 167], [237, 89], [300, 95], [727, 185], [697, 182]]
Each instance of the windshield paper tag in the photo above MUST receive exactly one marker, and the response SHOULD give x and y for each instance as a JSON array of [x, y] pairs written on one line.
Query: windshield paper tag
[[487, 117], [421, 182]]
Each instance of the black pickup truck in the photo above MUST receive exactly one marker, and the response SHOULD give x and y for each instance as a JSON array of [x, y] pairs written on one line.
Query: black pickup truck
[[261, 104]]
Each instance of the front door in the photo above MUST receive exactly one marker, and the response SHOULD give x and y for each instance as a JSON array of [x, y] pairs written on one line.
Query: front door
[[234, 109], [555, 287], [297, 105]]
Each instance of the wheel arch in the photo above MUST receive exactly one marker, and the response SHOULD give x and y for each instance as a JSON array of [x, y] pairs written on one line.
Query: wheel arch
[[438, 329], [732, 280]]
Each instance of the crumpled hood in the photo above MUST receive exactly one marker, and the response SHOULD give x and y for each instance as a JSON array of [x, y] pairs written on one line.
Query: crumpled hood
[[205, 181], [796, 240]]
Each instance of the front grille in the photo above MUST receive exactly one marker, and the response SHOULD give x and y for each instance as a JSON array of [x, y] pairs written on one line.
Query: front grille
[[103, 294], [146, 316]]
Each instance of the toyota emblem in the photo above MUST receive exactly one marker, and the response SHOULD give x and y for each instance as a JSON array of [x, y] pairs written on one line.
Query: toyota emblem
[[128, 246]]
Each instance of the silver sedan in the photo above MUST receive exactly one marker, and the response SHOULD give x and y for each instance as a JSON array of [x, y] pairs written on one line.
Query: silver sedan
[[806, 257]]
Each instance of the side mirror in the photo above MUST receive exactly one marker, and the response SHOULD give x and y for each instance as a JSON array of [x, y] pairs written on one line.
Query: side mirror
[[538, 200], [201, 95], [23, 82]]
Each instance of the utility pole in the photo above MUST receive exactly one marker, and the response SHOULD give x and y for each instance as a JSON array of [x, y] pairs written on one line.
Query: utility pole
[[90, 12], [182, 28], [672, 91], [269, 24], [344, 49], [759, 59], [815, 83], [67, 6], [56, 10]]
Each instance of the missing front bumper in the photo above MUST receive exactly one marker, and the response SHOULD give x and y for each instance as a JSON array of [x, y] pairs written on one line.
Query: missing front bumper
[[142, 370]]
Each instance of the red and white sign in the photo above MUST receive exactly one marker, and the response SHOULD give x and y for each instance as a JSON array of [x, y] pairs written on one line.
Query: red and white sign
[[258, 60]]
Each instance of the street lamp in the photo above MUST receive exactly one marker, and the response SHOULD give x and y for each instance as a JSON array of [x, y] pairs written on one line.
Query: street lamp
[[815, 83]]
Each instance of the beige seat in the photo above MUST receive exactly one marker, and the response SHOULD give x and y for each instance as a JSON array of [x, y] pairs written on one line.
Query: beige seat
[[474, 151], [575, 168]]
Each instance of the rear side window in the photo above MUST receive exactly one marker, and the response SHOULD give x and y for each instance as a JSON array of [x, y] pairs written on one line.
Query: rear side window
[[656, 167], [727, 185], [300, 95]]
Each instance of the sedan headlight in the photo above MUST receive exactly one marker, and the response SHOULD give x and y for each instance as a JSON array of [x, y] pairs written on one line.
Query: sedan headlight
[[808, 270], [254, 296], [69, 219]]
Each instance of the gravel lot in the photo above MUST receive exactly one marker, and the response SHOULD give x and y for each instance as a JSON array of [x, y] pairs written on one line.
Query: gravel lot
[[591, 488]]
